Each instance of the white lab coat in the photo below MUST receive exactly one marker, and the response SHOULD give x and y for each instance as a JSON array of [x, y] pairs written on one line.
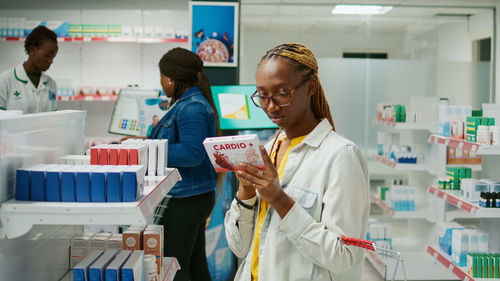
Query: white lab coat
[[17, 92], [327, 177]]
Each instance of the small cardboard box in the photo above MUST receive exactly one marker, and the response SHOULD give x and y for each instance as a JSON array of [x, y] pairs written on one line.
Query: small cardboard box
[[226, 152]]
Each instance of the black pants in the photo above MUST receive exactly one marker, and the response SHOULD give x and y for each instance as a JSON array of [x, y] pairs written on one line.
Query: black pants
[[184, 222]]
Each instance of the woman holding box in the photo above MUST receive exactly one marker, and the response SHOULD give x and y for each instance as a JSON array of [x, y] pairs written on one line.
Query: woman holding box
[[192, 117], [286, 220], [27, 87]]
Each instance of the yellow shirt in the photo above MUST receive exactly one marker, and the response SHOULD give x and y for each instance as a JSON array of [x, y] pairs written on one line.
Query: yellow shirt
[[264, 206]]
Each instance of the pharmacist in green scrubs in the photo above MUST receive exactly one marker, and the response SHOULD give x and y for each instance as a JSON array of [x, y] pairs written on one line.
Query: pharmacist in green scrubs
[[26, 87]]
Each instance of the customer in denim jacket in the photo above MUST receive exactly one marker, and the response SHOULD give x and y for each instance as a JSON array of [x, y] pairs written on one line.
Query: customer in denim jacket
[[191, 118]]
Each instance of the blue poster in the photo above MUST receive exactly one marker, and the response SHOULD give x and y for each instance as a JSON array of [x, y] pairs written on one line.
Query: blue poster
[[214, 32]]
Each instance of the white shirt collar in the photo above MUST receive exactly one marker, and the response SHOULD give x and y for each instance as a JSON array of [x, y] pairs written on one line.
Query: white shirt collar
[[317, 135], [21, 75]]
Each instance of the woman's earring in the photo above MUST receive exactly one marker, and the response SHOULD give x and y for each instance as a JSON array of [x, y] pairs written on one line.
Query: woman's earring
[[169, 82]]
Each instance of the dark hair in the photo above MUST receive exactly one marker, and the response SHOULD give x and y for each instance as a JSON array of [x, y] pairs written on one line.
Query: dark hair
[[304, 61], [186, 68], [36, 38]]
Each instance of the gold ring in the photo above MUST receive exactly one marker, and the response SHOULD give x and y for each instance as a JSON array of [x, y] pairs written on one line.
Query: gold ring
[[261, 173]]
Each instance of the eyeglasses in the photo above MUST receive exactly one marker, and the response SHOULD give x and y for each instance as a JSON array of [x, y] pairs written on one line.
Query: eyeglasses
[[281, 99]]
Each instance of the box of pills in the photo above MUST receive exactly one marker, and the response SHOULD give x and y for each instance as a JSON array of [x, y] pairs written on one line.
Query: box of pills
[[98, 184], [103, 154], [162, 157], [133, 268], [226, 152], [113, 155], [37, 184], [114, 242], [94, 156], [81, 270], [82, 184], [97, 269], [98, 241], [132, 239], [113, 184], [132, 182], [114, 268], [152, 157], [68, 184], [152, 243], [23, 184]]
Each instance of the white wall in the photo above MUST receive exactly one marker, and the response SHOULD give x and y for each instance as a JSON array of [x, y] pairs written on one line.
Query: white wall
[[254, 45]]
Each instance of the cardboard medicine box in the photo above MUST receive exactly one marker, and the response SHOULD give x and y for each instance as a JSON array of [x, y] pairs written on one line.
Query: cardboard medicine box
[[226, 152]]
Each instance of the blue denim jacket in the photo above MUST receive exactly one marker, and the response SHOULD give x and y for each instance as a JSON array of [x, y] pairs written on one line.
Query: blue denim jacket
[[186, 124]]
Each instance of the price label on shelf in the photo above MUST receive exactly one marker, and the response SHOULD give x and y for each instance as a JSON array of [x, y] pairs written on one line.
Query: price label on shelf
[[445, 196], [466, 278], [451, 267], [459, 204]]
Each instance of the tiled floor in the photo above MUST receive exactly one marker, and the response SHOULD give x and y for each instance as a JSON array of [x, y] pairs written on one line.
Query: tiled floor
[[369, 273]]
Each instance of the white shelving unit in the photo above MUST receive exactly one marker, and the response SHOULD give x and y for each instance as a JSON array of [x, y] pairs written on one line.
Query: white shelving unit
[[418, 224], [107, 39], [452, 197], [400, 166], [19, 216], [170, 267], [487, 219], [417, 214], [458, 271], [406, 126], [418, 265]]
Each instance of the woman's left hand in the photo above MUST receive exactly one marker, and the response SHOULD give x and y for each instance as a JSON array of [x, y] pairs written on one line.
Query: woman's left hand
[[266, 181]]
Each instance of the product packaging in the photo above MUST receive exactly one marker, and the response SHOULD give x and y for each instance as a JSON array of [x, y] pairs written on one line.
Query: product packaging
[[132, 239], [114, 268], [68, 184], [133, 267], [98, 184], [81, 270], [132, 182], [82, 184], [113, 184], [98, 268], [226, 152], [98, 241]]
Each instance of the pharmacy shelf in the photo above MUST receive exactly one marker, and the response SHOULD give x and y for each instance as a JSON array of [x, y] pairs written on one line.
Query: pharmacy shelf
[[489, 150], [19, 216], [107, 39], [170, 267], [456, 143], [399, 166], [417, 214], [419, 266], [445, 260], [452, 197], [405, 126], [474, 167], [88, 98]]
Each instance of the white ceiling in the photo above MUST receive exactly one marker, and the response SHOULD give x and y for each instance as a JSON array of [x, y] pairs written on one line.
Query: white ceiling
[[301, 16], [407, 16]]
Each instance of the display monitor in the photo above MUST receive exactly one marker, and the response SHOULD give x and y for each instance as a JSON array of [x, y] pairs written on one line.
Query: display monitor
[[125, 117], [236, 109]]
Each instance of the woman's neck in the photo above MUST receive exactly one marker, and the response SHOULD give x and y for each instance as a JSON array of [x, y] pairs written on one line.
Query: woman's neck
[[30, 68], [303, 127]]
